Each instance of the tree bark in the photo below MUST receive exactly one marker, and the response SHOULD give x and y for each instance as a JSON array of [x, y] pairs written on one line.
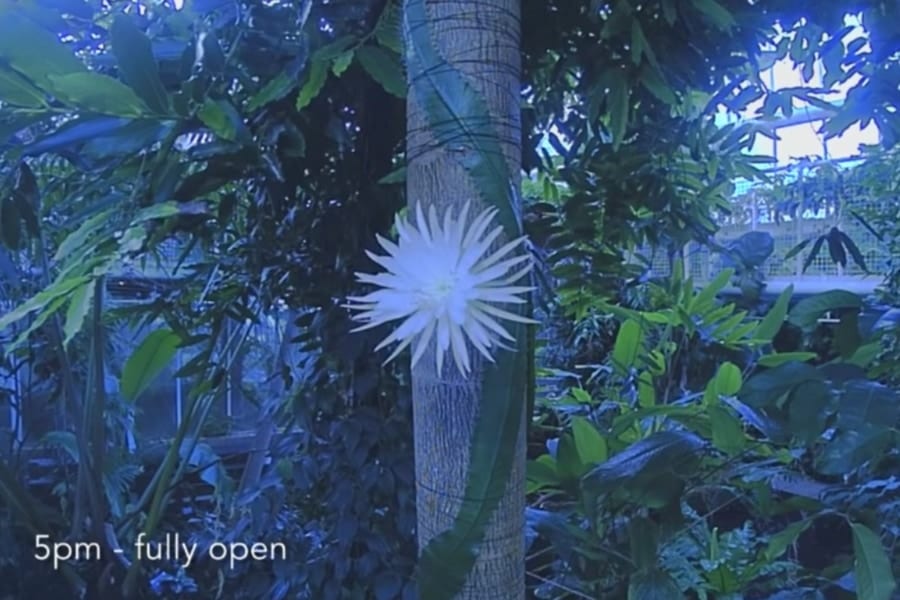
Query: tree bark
[[481, 40]]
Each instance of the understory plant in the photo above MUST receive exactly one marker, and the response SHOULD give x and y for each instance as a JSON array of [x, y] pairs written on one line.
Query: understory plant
[[698, 460]]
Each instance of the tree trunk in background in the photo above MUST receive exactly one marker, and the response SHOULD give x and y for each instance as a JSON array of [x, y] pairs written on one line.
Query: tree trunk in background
[[481, 40]]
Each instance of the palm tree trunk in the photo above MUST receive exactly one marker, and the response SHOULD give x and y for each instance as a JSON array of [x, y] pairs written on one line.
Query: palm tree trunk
[[481, 40]]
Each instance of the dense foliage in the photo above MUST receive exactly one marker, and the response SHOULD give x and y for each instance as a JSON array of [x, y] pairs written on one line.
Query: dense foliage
[[684, 446]]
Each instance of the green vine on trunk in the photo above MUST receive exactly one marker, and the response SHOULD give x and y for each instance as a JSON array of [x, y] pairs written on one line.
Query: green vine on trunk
[[452, 108]]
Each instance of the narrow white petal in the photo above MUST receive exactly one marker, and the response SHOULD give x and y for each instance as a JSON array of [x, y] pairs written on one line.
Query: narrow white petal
[[422, 344], [460, 354], [473, 252], [400, 348], [499, 269], [505, 314], [491, 324], [480, 338], [422, 225], [500, 253], [388, 245], [479, 226]]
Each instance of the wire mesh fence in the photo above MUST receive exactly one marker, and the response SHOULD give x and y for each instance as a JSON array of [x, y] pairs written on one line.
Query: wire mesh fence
[[801, 203]]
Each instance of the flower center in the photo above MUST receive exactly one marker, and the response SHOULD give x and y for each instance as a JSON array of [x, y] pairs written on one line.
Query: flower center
[[442, 287]]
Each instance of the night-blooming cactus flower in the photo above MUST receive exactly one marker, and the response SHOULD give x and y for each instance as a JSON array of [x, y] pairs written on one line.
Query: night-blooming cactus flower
[[441, 280]]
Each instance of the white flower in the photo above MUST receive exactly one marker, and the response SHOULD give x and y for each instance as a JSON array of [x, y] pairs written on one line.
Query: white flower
[[441, 283]]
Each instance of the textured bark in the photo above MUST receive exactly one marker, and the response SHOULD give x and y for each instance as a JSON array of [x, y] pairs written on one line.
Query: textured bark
[[480, 39]]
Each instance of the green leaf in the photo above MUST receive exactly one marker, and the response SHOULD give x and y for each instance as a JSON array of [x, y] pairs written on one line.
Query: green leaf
[[315, 81], [224, 120], [332, 50], [342, 62], [797, 249], [865, 403], [854, 251], [670, 12], [716, 13], [277, 88], [661, 453], [652, 584], [591, 446], [27, 197], [147, 361], [727, 431], [782, 540], [541, 473], [10, 225], [41, 300], [18, 91], [62, 440], [76, 240], [568, 462], [618, 105], [771, 324], [628, 344], [704, 299], [646, 390], [728, 379], [34, 51], [814, 252], [384, 67], [807, 312], [79, 306], [162, 210], [847, 337], [766, 388], [780, 358], [836, 247], [396, 176], [97, 93], [874, 579], [850, 449], [808, 410], [656, 85], [42, 317], [389, 29], [839, 122], [137, 65], [643, 537]]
